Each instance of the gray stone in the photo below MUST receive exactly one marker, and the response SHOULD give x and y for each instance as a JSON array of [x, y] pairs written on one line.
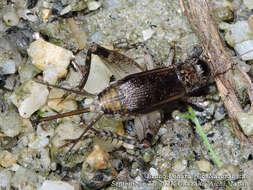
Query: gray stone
[[246, 122]]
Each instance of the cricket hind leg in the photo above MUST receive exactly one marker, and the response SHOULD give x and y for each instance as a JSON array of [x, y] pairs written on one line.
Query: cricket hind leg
[[89, 127], [118, 139]]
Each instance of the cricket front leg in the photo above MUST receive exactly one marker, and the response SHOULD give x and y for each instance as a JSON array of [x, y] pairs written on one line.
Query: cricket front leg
[[84, 72]]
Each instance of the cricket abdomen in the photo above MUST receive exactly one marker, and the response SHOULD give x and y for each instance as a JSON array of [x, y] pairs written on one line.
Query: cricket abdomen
[[141, 92]]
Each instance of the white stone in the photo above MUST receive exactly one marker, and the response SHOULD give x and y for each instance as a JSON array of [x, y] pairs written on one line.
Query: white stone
[[66, 130], [39, 142], [11, 18], [50, 74], [43, 53], [56, 103], [7, 159], [10, 59], [167, 187], [153, 172], [5, 177], [29, 97], [246, 122], [248, 3], [8, 67], [204, 165], [179, 165], [66, 10], [11, 123], [147, 34], [234, 33], [99, 77], [56, 185], [26, 14], [93, 5], [245, 50]]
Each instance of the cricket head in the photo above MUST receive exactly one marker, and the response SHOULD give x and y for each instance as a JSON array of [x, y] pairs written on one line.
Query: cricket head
[[194, 74]]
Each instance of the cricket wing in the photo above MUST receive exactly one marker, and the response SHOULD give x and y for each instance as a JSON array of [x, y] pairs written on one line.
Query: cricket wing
[[119, 64]]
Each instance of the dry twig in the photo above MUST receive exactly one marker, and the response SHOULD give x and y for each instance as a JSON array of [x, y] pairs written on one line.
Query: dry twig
[[200, 16]]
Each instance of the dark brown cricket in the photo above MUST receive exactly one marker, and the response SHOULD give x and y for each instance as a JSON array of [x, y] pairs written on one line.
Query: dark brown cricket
[[142, 92], [147, 91]]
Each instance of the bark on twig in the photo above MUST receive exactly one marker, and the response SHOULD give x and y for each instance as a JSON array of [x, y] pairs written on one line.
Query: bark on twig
[[201, 20]]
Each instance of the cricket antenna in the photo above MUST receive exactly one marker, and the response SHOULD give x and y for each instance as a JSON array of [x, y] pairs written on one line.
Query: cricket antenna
[[83, 92]]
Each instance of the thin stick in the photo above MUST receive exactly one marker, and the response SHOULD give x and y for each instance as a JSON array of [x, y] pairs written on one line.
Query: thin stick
[[200, 17]]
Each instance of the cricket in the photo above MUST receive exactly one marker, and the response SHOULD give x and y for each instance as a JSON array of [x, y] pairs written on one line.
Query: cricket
[[135, 94]]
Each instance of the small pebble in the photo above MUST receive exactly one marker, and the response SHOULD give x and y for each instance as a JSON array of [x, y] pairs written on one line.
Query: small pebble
[[98, 159], [10, 123], [229, 170], [99, 77], [245, 67], [234, 33], [56, 185], [147, 34], [35, 159], [5, 177], [179, 165], [147, 156], [248, 4], [44, 53], [66, 10], [246, 122], [167, 187], [93, 5], [27, 177], [56, 103], [11, 18], [220, 112], [153, 172], [29, 97], [224, 13], [50, 74], [204, 165], [97, 170], [207, 127], [10, 59], [27, 72], [244, 48], [64, 131], [7, 159]]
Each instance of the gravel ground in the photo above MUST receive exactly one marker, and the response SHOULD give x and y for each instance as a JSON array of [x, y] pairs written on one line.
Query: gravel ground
[[30, 153]]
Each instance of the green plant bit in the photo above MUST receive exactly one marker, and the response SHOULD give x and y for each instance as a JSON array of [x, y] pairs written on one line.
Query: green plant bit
[[193, 117]]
